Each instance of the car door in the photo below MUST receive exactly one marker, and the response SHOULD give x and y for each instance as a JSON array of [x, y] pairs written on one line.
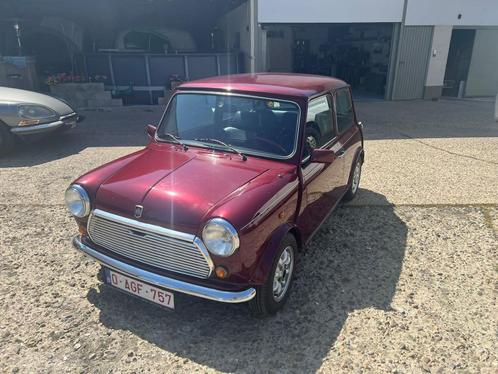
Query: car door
[[349, 136], [323, 184]]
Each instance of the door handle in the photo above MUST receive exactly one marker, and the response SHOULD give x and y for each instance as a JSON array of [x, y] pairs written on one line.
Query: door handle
[[341, 153]]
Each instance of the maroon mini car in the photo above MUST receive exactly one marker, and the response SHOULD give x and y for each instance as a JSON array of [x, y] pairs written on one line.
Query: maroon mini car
[[236, 178]]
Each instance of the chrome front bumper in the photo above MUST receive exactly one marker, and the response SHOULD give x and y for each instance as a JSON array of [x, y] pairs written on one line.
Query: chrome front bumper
[[162, 281], [69, 120]]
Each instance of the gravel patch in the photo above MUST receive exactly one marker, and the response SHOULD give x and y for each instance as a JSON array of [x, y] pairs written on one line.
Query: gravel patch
[[380, 289], [403, 280]]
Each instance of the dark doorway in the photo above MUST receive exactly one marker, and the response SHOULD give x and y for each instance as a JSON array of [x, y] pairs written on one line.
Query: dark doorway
[[357, 53], [52, 52], [459, 56]]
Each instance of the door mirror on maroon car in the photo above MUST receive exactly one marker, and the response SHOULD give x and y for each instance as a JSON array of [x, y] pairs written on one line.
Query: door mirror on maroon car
[[323, 156], [150, 130]]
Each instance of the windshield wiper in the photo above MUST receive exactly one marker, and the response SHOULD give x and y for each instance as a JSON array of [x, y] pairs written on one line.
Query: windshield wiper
[[226, 145], [176, 140]]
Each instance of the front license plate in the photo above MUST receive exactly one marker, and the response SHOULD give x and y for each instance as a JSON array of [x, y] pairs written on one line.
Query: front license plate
[[140, 289]]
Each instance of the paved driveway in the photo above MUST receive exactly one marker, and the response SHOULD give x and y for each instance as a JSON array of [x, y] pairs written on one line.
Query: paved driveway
[[401, 280]]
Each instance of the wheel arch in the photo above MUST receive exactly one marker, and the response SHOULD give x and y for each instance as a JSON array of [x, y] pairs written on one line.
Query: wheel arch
[[271, 247], [360, 155], [7, 139]]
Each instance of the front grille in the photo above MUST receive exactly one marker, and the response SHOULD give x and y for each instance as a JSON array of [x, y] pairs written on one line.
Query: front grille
[[152, 245]]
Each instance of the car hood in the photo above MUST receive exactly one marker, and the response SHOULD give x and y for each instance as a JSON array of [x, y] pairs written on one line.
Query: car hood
[[16, 96], [176, 189]]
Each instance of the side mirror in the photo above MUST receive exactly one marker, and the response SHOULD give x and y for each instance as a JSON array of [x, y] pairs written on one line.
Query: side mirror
[[323, 156], [150, 130]]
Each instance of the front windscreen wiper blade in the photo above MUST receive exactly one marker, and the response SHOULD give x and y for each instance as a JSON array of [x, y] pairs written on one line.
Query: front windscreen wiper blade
[[176, 140], [226, 145]]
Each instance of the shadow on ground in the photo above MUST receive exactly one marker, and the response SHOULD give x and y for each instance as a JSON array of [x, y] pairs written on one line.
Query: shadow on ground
[[427, 119], [353, 262], [124, 127], [118, 128]]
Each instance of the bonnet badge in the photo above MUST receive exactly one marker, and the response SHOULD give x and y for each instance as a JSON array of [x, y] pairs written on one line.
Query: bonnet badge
[[138, 211]]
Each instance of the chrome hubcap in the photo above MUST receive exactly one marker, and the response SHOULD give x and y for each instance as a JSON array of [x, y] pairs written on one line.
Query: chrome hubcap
[[356, 177], [283, 274]]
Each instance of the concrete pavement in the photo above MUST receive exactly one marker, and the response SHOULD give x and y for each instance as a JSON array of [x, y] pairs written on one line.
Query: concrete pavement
[[400, 280]]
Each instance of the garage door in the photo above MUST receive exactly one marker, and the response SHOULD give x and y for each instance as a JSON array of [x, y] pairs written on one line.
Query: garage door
[[413, 57]]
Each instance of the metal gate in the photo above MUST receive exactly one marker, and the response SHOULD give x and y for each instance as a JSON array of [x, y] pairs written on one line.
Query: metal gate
[[413, 57], [149, 74]]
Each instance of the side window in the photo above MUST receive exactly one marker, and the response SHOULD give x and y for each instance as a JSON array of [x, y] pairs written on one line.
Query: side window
[[344, 108], [319, 123]]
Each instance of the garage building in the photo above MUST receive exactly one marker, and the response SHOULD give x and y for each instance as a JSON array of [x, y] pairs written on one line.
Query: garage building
[[386, 49]]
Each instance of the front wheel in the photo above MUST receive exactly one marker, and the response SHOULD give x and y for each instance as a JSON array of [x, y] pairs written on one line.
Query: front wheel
[[355, 181], [271, 296]]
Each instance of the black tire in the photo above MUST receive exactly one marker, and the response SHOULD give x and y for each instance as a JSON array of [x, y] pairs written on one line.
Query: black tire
[[7, 140], [353, 186], [264, 303]]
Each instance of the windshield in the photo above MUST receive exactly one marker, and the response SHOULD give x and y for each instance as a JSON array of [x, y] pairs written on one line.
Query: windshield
[[250, 125]]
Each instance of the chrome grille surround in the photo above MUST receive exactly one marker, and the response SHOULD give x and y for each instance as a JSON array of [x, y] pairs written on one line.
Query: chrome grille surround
[[150, 244]]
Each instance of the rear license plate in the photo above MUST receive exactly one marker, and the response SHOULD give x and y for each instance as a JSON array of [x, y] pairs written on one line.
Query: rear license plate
[[140, 289]]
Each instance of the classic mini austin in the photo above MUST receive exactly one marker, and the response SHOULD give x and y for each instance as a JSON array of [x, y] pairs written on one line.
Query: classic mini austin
[[236, 178]]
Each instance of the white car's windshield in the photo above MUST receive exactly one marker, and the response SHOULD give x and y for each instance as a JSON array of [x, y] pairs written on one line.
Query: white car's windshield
[[249, 125]]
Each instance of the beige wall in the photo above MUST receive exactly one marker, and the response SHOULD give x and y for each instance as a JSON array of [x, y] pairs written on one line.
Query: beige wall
[[439, 55], [483, 72]]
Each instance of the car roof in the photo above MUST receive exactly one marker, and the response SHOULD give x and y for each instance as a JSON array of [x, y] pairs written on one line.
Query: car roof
[[287, 84]]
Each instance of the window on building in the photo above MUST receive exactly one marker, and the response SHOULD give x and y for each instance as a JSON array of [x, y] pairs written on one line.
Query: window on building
[[344, 108], [146, 41]]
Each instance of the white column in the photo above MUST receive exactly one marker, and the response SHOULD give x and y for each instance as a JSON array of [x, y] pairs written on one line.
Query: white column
[[496, 109], [437, 61], [253, 31]]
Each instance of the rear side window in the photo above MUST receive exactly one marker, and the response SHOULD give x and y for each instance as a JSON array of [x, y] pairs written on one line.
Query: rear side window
[[319, 121], [344, 109]]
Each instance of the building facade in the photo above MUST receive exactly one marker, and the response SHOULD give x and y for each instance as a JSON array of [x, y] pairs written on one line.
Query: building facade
[[392, 49], [387, 49]]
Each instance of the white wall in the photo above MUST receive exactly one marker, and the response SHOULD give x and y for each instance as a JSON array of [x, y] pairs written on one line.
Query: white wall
[[483, 71], [419, 12], [439, 55], [445, 12], [330, 11]]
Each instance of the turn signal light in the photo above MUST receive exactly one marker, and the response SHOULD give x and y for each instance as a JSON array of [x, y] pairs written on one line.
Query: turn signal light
[[28, 122], [82, 230], [221, 272]]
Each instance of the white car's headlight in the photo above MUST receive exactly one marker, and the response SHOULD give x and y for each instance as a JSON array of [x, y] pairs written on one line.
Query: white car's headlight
[[32, 114], [77, 201], [220, 237]]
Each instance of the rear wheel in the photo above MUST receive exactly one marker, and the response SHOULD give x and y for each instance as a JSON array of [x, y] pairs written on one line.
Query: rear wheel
[[271, 296], [355, 181], [7, 140]]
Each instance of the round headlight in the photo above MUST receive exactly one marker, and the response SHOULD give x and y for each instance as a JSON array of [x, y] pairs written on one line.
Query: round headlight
[[220, 237], [77, 201], [32, 111]]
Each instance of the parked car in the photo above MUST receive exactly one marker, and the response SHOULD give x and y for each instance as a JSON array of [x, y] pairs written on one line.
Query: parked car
[[27, 114], [228, 191]]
